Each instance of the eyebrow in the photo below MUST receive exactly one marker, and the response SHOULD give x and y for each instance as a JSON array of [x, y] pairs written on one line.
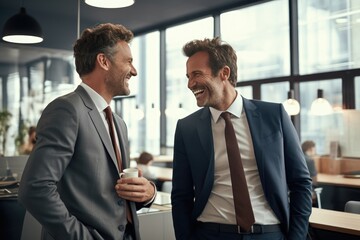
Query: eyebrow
[[194, 72]]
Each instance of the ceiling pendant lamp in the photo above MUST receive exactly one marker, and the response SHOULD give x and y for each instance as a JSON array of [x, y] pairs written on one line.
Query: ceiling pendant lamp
[[110, 3], [320, 106], [291, 105], [22, 28]]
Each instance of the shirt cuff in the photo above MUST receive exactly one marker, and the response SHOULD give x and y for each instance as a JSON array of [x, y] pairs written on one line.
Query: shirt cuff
[[155, 193]]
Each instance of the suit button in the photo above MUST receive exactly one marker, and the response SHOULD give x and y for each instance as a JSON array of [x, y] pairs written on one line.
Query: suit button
[[120, 202], [121, 228]]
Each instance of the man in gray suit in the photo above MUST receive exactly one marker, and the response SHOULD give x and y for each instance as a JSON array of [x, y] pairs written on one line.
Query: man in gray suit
[[71, 181]]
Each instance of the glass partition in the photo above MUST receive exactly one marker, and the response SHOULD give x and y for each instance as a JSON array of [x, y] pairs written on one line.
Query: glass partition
[[141, 110], [28, 84], [322, 129]]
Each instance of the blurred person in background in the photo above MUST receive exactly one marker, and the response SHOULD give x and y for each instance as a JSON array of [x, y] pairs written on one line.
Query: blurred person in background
[[29, 144]]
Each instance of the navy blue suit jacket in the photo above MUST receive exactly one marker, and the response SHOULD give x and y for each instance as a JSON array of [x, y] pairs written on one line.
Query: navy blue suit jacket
[[280, 161]]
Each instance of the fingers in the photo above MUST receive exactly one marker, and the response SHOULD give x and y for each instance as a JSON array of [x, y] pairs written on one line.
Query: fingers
[[134, 189]]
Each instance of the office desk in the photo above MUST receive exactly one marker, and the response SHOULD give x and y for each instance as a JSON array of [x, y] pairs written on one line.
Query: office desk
[[335, 221], [157, 223], [338, 180], [162, 173], [163, 161], [337, 190]]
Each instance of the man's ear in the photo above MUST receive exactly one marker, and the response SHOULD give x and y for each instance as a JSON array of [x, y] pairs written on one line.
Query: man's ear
[[225, 73], [102, 61]]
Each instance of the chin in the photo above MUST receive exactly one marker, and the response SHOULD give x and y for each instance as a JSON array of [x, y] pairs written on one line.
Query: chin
[[200, 104]]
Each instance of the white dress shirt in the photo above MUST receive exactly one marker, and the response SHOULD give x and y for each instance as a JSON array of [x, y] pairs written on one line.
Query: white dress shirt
[[220, 205]]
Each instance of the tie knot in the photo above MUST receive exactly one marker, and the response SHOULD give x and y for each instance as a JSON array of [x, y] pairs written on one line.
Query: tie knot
[[226, 115], [108, 111]]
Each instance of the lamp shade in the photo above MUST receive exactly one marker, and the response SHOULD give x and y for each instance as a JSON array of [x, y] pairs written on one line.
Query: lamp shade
[[22, 28], [110, 3], [320, 106], [291, 105]]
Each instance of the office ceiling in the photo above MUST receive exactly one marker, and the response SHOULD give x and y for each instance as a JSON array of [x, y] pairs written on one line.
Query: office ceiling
[[59, 19]]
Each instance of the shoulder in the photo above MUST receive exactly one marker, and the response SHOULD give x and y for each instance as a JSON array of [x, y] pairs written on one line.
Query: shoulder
[[199, 114], [263, 105]]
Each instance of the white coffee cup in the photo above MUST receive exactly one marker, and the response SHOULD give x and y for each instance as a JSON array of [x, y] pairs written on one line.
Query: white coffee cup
[[129, 173]]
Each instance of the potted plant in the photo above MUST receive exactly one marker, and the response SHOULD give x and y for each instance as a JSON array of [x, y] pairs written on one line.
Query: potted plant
[[5, 117]]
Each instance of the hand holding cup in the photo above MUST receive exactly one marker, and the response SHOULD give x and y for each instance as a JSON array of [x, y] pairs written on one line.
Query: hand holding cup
[[129, 173]]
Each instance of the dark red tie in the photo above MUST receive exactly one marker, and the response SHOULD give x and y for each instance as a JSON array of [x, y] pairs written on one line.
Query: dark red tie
[[244, 214], [109, 119]]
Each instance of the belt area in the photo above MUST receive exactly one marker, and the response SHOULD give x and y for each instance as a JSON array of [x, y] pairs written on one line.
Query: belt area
[[227, 228]]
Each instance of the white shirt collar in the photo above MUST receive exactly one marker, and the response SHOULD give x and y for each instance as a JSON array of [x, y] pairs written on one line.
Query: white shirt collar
[[235, 108], [98, 100]]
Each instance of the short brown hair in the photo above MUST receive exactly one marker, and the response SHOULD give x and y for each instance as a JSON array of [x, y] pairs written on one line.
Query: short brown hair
[[99, 39], [220, 55], [31, 130], [307, 145], [145, 158]]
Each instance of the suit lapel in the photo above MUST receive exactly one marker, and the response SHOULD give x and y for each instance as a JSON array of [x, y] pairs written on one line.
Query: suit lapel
[[98, 123], [204, 132], [254, 119], [121, 132]]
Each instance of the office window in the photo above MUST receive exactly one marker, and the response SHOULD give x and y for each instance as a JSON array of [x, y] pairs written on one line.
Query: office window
[[274, 92], [13, 105], [141, 109], [321, 129], [260, 36], [245, 91], [179, 99], [357, 93], [329, 35]]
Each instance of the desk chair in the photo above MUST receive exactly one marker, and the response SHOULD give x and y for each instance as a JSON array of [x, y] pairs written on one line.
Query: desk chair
[[167, 187], [318, 191], [352, 207]]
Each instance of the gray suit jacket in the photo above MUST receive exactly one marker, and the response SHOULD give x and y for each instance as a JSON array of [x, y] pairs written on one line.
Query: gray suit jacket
[[68, 184]]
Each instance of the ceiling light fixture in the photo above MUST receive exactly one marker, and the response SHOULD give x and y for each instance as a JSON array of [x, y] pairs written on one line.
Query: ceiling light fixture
[[291, 105], [320, 106], [22, 28], [110, 3]]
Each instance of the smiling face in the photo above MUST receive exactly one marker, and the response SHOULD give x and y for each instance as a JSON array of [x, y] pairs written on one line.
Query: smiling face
[[121, 70], [208, 89]]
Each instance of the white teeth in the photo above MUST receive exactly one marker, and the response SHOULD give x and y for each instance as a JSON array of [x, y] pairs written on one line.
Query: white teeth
[[198, 91]]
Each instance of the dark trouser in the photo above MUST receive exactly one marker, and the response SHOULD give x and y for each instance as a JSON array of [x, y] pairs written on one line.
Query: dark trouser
[[129, 232], [213, 231]]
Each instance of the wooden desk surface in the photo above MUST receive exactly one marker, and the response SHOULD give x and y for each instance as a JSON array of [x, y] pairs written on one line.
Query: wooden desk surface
[[339, 180], [162, 174], [163, 158], [336, 221]]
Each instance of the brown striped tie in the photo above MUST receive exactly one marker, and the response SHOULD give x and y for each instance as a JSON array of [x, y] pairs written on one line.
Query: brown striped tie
[[109, 119]]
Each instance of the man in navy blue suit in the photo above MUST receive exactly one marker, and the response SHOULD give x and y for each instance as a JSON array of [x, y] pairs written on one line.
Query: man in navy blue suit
[[277, 178]]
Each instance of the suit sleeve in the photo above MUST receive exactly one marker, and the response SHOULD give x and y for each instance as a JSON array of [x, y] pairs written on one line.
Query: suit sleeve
[[298, 181], [182, 196], [56, 138]]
